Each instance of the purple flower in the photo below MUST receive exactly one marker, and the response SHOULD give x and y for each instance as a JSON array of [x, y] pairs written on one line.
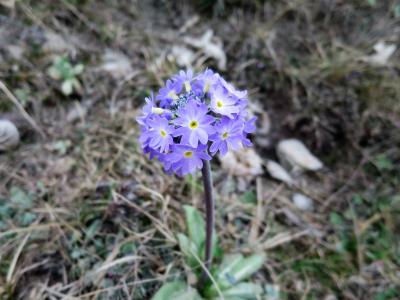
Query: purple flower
[[222, 103], [158, 135], [147, 109], [186, 159], [205, 80], [185, 78], [152, 153], [229, 135], [192, 116], [169, 93], [231, 89], [250, 125], [195, 124]]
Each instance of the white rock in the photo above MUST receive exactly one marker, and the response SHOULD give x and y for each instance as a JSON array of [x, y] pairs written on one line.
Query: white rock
[[183, 56], [116, 63], [302, 202], [211, 46], [7, 3], [293, 153], [15, 51], [55, 43], [278, 172], [9, 135], [244, 162], [383, 52]]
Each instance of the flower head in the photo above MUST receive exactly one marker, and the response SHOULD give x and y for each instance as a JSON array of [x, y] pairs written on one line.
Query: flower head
[[185, 159], [195, 124], [229, 135], [169, 93], [158, 134], [185, 78], [231, 90], [206, 80], [147, 109], [193, 118], [223, 103]]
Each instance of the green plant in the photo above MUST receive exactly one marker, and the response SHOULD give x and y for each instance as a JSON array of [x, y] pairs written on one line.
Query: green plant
[[63, 70], [227, 279], [17, 209]]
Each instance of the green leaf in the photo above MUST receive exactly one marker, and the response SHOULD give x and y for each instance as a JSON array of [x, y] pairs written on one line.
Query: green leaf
[[67, 87], [249, 197], [20, 198], [27, 218], [357, 199], [78, 69], [216, 249], [387, 294], [397, 11], [195, 225], [188, 248], [272, 292], [128, 248], [240, 270], [3, 225], [234, 269], [6, 211], [244, 290], [383, 163], [54, 73], [169, 289], [228, 298], [76, 85], [335, 219], [189, 294], [91, 231], [246, 267], [61, 146], [229, 262], [22, 96]]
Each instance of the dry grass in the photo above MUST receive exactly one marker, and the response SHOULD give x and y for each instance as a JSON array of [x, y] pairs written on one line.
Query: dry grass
[[84, 215]]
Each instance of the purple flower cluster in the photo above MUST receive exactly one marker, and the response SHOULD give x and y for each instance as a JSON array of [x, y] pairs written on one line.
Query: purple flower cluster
[[192, 118]]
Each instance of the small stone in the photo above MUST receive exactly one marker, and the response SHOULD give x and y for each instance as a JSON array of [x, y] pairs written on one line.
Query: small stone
[[383, 52], [278, 172], [244, 162], [116, 63], [294, 154], [302, 202], [210, 45], [55, 43], [9, 135], [183, 56]]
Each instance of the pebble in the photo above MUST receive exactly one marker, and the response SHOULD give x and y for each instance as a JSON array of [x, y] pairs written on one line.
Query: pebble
[[302, 202], [9, 135], [294, 154]]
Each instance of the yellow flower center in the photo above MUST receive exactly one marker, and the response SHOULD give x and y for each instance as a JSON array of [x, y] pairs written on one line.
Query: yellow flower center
[[193, 124], [157, 110], [172, 95], [206, 87], [225, 135], [220, 104], [188, 154], [188, 87], [163, 133]]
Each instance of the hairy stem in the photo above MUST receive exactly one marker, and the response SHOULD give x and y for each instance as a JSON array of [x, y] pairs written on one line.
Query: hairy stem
[[209, 204]]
